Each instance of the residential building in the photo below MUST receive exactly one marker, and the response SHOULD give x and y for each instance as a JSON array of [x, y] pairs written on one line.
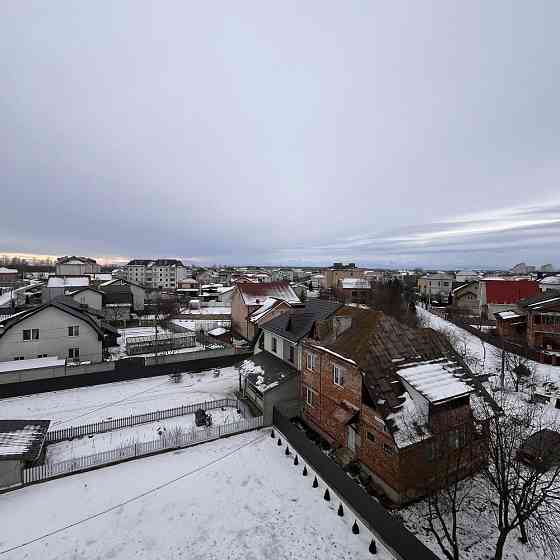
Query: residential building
[[87, 297], [353, 290], [121, 285], [396, 399], [57, 328], [500, 294], [550, 283], [58, 286], [8, 276], [436, 286], [76, 266], [155, 274], [339, 271], [522, 268], [547, 268], [466, 297], [271, 375], [543, 322], [248, 297]]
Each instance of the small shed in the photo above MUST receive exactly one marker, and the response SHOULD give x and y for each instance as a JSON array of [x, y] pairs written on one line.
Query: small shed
[[269, 381], [21, 445]]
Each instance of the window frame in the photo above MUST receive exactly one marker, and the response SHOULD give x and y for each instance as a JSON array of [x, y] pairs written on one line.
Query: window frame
[[74, 353], [337, 372], [310, 361], [74, 330], [274, 345], [309, 396]]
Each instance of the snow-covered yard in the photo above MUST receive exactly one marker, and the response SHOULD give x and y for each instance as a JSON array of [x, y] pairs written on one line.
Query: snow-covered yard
[[83, 405], [224, 310], [203, 324], [236, 498], [90, 445]]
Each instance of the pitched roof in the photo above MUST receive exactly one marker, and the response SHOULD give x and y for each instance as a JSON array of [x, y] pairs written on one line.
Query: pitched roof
[[71, 307], [298, 322], [254, 293], [67, 281], [156, 262], [118, 281], [63, 260], [536, 302], [22, 439]]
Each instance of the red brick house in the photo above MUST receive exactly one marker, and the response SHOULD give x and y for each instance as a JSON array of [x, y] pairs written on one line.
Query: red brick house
[[394, 397], [250, 297]]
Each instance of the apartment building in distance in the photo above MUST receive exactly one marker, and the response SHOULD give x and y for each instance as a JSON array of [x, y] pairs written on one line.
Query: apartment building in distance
[[155, 274], [338, 271]]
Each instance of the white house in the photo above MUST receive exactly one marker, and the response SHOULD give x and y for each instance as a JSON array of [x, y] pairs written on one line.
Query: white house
[[57, 286], [51, 329]]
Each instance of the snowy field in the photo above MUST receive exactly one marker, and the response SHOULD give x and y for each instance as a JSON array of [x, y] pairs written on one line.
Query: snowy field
[[115, 439], [235, 498], [73, 407]]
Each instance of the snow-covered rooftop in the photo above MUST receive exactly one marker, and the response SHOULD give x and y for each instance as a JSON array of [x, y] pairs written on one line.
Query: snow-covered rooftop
[[508, 315], [435, 379], [4, 270], [22, 438], [68, 281], [217, 331], [264, 309]]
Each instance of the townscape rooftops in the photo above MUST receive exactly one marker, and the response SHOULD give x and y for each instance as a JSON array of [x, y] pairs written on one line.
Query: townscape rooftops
[[22, 439], [265, 371], [298, 322], [256, 293], [544, 299], [157, 262]]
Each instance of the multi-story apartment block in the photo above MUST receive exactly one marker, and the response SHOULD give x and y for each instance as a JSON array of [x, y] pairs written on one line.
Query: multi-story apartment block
[[155, 274]]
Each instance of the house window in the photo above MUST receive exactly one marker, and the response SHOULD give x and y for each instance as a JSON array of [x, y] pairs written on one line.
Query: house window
[[292, 355], [19, 358], [457, 439], [308, 396], [42, 355], [74, 353], [30, 334], [370, 436], [311, 361], [388, 449], [74, 330], [338, 375], [274, 345]]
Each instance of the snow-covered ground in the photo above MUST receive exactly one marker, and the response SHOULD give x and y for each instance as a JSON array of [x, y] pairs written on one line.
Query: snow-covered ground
[[204, 324], [236, 498], [476, 347], [90, 445], [83, 405]]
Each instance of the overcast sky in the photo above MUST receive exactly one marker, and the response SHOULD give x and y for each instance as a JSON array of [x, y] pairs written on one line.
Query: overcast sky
[[388, 133]]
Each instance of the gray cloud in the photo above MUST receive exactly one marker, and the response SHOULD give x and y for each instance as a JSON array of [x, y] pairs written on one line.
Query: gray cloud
[[301, 132]]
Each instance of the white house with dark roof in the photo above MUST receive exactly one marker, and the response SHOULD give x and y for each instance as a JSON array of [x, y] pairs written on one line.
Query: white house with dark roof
[[76, 266], [52, 329]]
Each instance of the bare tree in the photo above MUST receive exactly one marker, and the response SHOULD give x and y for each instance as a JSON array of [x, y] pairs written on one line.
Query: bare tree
[[522, 498]]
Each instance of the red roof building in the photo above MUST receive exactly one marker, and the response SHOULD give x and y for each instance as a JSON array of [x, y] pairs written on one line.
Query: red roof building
[[499, 294]]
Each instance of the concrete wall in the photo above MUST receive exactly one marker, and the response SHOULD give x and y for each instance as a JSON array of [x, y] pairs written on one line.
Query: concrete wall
[[10, 473], [54, 372], [53, 337]]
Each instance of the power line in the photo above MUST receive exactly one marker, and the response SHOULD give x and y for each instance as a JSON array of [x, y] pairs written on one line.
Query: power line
[[130, 500]]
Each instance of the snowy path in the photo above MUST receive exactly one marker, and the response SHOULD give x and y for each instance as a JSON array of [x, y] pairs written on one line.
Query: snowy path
[[83, 405], [236, 498]]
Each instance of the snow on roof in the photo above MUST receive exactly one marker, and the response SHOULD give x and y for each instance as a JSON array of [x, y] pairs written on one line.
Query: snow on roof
[[435, 379], [537, 304], [336, 355], [22, 438], [257, 293], [507, 315], [410, 424], [354, 283], [268, 304], [554, 280], [16, 365], [67, 281], [217, 332], [4, 270]]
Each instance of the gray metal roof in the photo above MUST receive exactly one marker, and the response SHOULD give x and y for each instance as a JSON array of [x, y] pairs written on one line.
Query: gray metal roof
[[297, 323]]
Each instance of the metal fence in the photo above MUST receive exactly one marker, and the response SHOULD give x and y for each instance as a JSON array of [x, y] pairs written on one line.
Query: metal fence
[[174, 441], [394, 535], [127, 421]]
